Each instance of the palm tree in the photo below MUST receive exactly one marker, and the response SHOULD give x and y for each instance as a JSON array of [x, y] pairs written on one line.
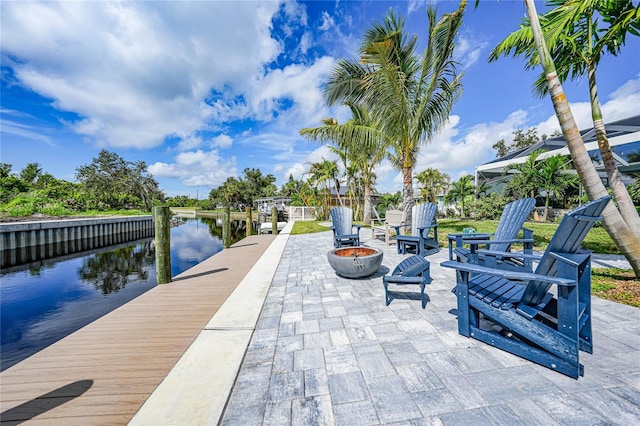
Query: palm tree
[[324, 174], [554, 178], [459, 191], [360, 148], [576, 44], [617, 228], [433, 182], [409, 97], [526, 180]]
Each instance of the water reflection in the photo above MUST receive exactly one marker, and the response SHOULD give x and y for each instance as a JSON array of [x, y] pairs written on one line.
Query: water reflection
[[110, 272], [46, 300]]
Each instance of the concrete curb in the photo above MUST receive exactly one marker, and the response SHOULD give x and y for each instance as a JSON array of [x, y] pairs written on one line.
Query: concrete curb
[[198, 386]]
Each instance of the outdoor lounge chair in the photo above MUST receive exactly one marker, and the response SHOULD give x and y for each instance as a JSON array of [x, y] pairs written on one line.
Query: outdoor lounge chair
[[511, 222], [413, 270], [423, 221], [343, 235], [392, 218], [548, 328]]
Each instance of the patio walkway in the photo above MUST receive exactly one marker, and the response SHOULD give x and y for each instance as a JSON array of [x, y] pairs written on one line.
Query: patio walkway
[[326, 350]]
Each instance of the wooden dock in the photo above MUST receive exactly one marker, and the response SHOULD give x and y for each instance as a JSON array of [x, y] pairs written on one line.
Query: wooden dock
[[104, 372]]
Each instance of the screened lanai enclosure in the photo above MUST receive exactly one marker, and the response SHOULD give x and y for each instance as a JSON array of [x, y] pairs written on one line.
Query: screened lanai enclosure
[[624, 139]]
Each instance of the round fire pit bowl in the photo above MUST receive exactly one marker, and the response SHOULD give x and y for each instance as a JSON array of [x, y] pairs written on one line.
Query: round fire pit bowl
[[355, 262]]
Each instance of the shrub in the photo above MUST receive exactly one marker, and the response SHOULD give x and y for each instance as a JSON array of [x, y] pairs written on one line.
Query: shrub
[[489, 207]]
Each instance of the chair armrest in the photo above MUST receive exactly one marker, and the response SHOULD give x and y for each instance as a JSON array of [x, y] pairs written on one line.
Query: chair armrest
[[404, 225], [489, 242], [503, 254], [511, 275]]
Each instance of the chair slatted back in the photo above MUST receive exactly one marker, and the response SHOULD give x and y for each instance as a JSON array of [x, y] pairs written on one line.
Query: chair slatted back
[[513, 217], [568, 238], [342, 218], [422, 215]]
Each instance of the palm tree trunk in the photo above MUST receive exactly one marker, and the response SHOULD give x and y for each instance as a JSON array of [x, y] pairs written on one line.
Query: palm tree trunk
[[367, 203], [407, 194], [336, 185], [615, 225], [623, 199]]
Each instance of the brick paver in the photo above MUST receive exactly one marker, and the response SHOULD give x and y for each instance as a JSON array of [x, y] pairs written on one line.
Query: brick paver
[[328, 351]]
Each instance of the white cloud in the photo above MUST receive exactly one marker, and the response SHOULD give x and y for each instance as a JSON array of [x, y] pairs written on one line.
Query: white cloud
[[301, 167], [327, 22], [415, 5], [222, 141], [469, 48], [197, 168], [137, 72], [24, 131]]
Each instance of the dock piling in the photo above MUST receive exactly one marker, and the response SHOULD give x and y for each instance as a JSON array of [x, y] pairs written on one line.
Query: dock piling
[[162, 216]]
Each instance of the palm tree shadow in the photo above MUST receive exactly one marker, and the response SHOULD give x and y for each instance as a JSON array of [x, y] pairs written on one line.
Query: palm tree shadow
[[44, 403], [213, 271]]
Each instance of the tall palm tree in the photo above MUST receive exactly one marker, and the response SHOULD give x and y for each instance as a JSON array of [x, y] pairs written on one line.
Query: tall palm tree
[[619, 231], [432, 182], [459, 191], [409, 96], [577, 42], [361, 144]]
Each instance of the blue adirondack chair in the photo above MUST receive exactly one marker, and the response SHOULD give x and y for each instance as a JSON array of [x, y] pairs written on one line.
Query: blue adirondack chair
[[546, 328], [511, 222], [412, 270], [342, 226], [423, 222]]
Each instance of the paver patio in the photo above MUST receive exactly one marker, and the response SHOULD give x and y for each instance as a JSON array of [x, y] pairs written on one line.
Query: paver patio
[[326, 350]]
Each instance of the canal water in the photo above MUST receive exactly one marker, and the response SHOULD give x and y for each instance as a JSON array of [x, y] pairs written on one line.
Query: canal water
[[50, 299]]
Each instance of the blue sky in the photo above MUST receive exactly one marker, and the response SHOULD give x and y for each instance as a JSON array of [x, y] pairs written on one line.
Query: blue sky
[[202, 90]]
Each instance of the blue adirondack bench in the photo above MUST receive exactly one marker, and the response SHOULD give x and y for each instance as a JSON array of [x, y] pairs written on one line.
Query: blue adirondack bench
[[412, 270], [548, 328], [423, 224], [342, 226], [511, 222]]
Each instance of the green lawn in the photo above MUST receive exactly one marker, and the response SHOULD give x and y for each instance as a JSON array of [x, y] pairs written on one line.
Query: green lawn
[[597, 240]]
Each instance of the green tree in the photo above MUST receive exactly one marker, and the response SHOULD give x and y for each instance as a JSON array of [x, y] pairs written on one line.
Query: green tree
[[30, 173], [292, 189], [113, 182], [10, 185], [322, 175], [521, 140], [554, 178], [570, 43], [614, 223], [409, 96], [432, 182], [360, 149], [460, 191], [525, 180], [256, 185]]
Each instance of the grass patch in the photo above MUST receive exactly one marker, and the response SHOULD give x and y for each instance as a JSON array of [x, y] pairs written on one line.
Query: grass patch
[[308, 227], [597, 240], [618, 285]]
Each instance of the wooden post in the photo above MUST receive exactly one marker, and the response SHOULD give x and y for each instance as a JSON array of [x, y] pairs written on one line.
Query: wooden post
[[226, 227], [249, 222], [274, 220], [162, 216]]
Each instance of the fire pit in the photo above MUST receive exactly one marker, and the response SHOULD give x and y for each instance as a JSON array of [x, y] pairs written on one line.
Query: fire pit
[[355, 262]]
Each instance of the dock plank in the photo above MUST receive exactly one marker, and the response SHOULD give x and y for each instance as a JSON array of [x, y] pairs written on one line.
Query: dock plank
[[125, 354]]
